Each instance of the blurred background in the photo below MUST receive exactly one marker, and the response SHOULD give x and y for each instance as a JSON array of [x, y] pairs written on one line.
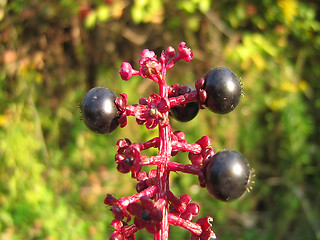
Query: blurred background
[[55, 173]]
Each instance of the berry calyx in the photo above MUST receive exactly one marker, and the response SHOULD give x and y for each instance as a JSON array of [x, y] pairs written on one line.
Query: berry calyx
[[223, 90], [228, 175], [99, 111]]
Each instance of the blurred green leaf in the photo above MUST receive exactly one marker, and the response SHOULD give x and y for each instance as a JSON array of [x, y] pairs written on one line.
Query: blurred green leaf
[[103, 12], [91, 19], [147, 11]]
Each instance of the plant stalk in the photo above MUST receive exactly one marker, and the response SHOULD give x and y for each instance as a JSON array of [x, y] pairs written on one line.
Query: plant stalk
[[162, 170]]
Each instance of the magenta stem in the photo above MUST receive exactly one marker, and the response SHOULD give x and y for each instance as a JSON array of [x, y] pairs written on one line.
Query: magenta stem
[[162, 171], [149, 144], [172, 166], [176, 202], [182, 99], [149, 192], [191, 226], [186, 147], [153, 160], [186, 168]]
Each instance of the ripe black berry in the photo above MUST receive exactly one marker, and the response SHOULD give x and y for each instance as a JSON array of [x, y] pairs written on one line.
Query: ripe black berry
[[185, 112], [223, 89], [228, 175], [99, 112]]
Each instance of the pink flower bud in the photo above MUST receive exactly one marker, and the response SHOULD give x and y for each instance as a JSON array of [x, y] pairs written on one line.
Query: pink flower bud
[[146, 53], [204, 142], [170, 52], [126, 71], [185, 52]]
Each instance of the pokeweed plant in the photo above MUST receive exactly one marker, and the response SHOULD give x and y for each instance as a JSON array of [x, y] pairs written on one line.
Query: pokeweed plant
[[225, 174]]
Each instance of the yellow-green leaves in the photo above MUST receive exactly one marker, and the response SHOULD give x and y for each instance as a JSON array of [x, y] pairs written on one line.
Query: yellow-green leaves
[[289, 9], [193, 5], [145, 11], [101, 14]]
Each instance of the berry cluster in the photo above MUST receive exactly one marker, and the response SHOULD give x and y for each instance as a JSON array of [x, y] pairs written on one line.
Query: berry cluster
[[225, 174]]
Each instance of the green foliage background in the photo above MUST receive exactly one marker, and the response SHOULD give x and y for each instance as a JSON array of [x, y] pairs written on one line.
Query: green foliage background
[[55, 174]]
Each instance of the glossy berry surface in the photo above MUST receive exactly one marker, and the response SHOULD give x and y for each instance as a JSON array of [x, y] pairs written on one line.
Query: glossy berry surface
[[223, 89], [99, 112], [185, 112], [228, 175]]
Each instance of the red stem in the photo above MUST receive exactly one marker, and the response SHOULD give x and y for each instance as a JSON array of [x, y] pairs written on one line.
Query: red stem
[[186, 168], [186, 147], [185, 98], [191, 226], [154, 142], [149, 192], [176, 202], [162, 171], [173, 199], [153, 160]]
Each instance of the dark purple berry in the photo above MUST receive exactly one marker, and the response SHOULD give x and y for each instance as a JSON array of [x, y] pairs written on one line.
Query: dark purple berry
[[99, 111], [185, 112], [223, 89], [228, 175]]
